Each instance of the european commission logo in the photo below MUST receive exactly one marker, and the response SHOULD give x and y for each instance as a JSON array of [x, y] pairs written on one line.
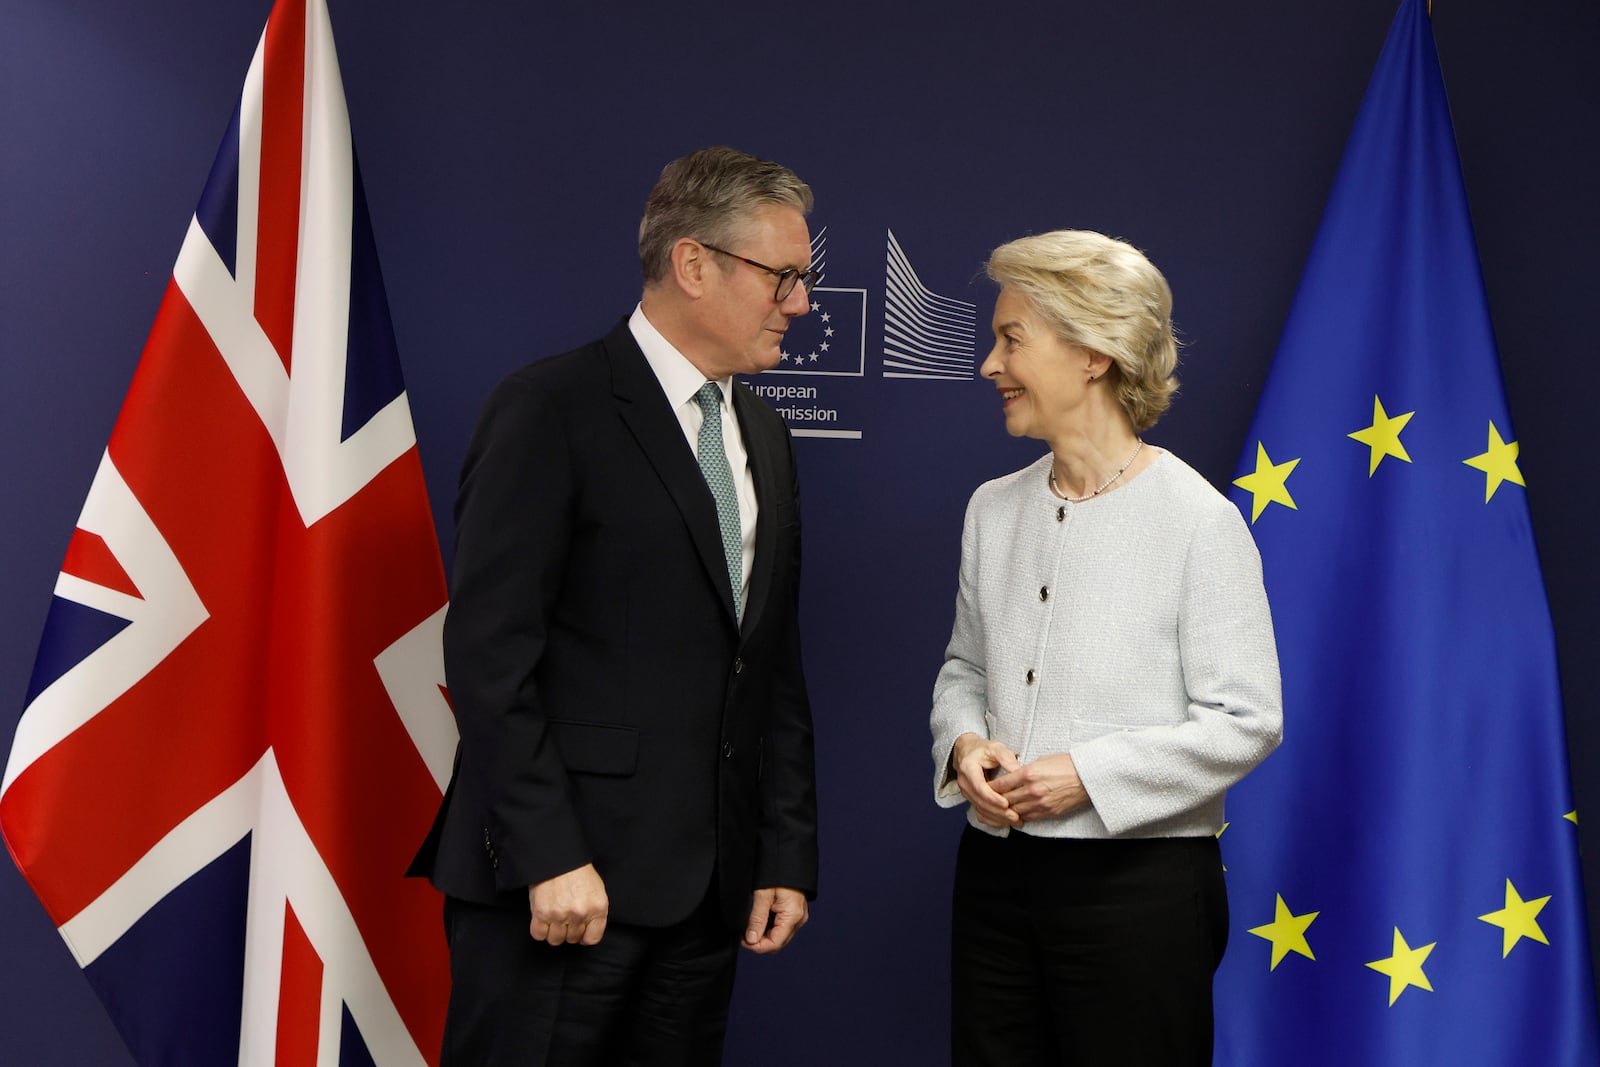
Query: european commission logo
[[819, 386], [831, 341], [925, 335]]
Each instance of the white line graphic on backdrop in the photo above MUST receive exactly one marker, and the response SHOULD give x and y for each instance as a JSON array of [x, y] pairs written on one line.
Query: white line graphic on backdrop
[[925, 335], [819, 251], [831, 341]]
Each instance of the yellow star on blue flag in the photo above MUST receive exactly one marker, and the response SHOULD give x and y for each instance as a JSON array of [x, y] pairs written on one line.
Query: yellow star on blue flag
[[1287, 933], [1498, 462], [1383, 436], [1519, 919], [1404, 967], [1268, 483]]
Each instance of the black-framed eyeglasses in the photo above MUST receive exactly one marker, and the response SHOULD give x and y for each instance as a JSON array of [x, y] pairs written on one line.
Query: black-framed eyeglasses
[[786, 277]]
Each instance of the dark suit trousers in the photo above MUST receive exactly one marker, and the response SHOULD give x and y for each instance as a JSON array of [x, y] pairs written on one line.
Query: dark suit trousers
[[642, 997], [1085, 953]]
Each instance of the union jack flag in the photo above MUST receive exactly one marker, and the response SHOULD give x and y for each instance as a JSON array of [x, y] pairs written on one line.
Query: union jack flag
[[236, 732]]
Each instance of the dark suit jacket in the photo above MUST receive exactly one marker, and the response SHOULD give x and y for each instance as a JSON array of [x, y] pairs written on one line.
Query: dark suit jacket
[[611, 709]]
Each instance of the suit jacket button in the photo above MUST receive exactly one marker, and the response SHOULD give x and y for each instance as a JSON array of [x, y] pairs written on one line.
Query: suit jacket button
[[488, 847], [727, 750], [738, 665]]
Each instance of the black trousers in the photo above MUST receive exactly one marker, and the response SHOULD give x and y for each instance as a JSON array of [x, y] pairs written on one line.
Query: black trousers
[[1085, 953], [642, 997]]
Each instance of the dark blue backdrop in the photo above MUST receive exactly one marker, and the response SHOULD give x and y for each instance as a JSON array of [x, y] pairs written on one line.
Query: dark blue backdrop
[[507, 149]]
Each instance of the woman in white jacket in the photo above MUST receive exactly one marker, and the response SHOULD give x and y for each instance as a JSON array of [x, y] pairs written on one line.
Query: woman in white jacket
[[1111, 672]]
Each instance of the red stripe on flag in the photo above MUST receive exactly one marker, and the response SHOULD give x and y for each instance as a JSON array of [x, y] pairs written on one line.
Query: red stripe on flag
[[358, 783], [278, 227], [89, 558], [299, 996]]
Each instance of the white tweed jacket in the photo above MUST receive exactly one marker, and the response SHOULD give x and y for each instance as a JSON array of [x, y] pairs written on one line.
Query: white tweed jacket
[[1131, 631]]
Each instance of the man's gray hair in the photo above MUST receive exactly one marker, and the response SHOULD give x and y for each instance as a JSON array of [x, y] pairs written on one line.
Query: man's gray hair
[[709, 196]]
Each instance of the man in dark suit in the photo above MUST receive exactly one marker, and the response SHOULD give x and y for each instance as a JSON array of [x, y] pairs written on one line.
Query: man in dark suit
[[634, 792]]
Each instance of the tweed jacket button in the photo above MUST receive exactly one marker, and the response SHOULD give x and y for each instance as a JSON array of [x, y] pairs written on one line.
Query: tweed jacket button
[[1044, 592], [1061, 513], [1030, 675]]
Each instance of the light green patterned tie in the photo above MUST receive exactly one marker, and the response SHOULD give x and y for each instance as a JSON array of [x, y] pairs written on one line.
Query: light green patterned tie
[[714, 465]]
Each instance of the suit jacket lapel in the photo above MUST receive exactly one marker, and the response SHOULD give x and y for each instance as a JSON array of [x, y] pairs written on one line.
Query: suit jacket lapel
[[644, 410], [764, 469]]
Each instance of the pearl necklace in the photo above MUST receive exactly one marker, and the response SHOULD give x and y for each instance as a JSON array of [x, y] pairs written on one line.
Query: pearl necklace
[[1090, 496]]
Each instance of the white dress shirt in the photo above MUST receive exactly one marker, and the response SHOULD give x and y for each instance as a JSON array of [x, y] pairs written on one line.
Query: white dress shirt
[[680, 380]]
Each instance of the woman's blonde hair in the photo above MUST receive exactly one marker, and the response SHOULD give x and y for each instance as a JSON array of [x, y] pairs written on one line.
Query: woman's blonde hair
[[1104, 295]]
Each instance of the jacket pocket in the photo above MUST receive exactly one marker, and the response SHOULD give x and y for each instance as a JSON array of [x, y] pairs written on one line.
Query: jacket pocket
[[596, 748]]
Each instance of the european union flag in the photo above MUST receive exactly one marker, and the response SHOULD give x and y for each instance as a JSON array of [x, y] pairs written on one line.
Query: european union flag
[[1403, 872]]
